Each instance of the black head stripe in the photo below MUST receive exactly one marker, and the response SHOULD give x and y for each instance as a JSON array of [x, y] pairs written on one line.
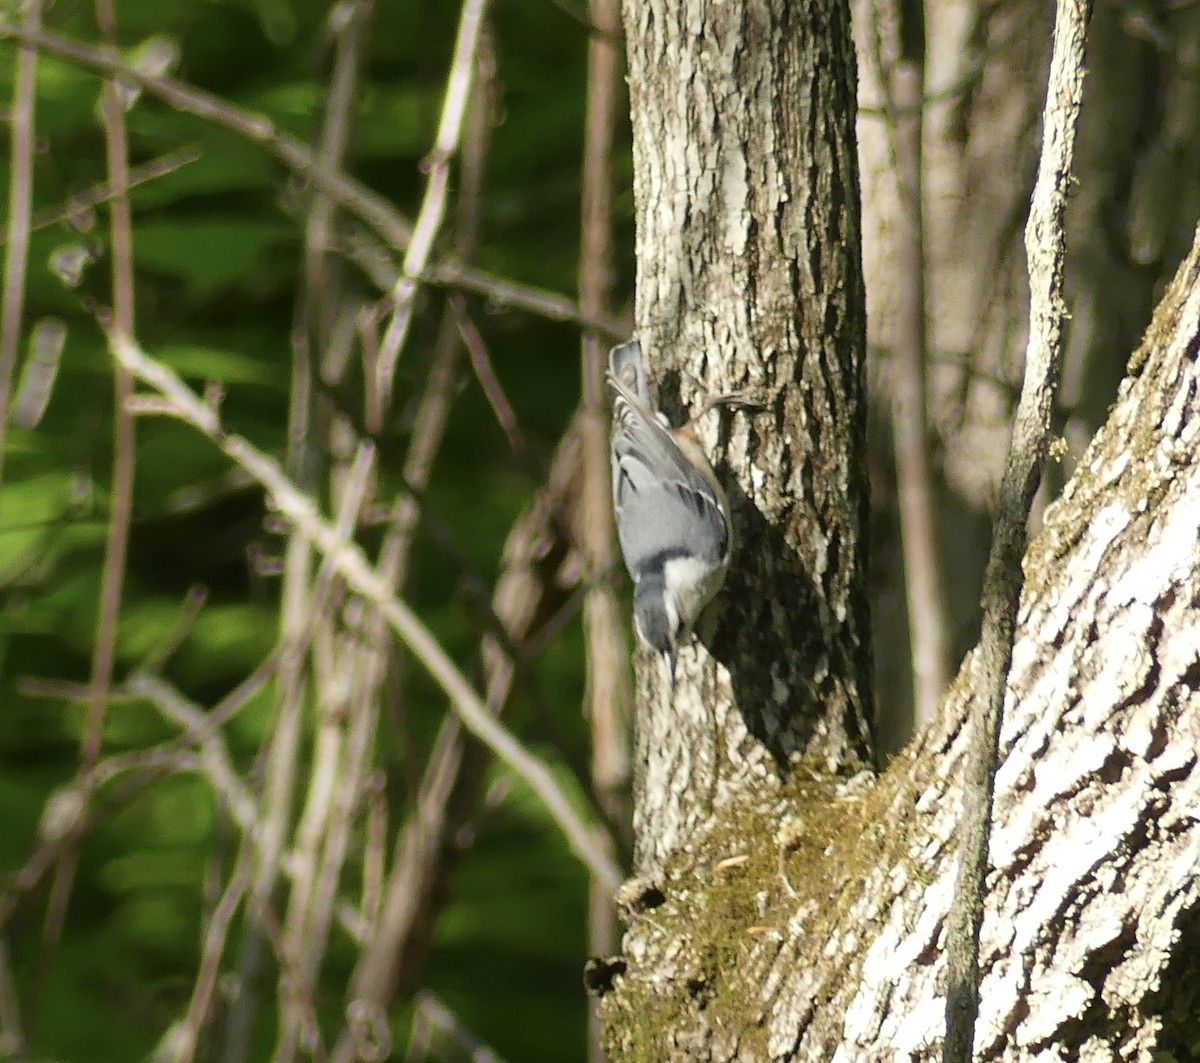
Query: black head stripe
[[658, 562]]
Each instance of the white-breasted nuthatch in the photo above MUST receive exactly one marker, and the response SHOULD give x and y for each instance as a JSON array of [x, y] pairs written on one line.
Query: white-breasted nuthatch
[[672, 516]]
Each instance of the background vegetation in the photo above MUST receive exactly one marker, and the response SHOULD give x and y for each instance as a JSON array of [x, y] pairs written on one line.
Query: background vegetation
[[218, 246]]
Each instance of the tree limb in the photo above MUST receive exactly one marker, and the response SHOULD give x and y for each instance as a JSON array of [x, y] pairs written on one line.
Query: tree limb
[[1045, 242]]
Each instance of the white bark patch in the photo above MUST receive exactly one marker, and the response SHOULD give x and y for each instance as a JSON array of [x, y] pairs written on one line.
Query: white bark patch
[[1096, 842], [1055, 997], [736, 188]]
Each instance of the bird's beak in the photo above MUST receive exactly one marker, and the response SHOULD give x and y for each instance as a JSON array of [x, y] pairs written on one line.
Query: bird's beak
[[669, 659]]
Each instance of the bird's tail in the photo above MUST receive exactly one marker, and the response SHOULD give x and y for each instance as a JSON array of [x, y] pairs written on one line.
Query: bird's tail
[[625, 365]]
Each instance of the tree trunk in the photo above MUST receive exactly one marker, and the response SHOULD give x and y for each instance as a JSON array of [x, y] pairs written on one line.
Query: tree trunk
[[749, 276], [784, 911], [826, 941]]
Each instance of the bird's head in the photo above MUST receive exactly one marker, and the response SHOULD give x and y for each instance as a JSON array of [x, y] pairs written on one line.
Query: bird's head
[[656, 618]]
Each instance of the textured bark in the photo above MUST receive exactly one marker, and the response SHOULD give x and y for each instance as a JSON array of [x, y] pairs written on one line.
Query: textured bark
[[1129, 224], [749, 277], [827, 943]]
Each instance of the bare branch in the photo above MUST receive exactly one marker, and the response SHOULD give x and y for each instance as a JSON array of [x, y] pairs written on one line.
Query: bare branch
[[80, 204], [233, 793], [179, 1043], [345, 191], [433, 206], [374, 849], [376, 263], [607, 695], [485, 373], [202, 728], [433, 1016], [76, 817], [322, 340], [20, 197], [353, 566], [1045, 243], [116, 545], [508, 294]]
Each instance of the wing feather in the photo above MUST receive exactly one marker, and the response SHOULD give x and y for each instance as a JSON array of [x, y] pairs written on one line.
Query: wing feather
[[665, 504]]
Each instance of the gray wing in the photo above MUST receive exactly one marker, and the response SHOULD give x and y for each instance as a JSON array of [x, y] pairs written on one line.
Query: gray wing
[[665, 506]]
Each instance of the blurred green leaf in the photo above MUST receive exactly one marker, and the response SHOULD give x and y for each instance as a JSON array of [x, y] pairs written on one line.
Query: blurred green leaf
[[390, 121], [215, 171], [201, 362], [210, 254]]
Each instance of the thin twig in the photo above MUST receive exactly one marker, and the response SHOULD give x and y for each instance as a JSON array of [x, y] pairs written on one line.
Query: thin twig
[[1045, 243], [296, 612], [80, 204], [321, 309], [500, 293], [440, 1018], [235, 795], [193, 603], [311, 1041], [335, 776], [199, 725], [352, 565], [607, 694], [433, 206], [71, 810], [20, 198], [116, 546], [12, 1036], [485, 373], [429, 424], [374, 849], [47, 856], [180, 1042], [202, 728], [345, 191]]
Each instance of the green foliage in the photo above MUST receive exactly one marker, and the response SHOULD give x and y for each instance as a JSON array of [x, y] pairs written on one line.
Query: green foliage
[[218, 246], [211, 255]]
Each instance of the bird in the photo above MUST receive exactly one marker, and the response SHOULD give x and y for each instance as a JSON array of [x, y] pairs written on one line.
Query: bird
[[672, 515]]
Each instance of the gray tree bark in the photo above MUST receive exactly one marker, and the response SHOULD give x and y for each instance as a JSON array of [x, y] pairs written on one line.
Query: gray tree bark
[[812, 927], [785, 911], [749, 276]]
